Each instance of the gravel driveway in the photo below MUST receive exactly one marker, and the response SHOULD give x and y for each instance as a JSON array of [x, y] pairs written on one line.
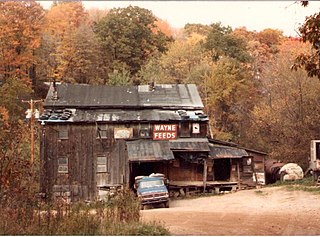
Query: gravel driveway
[[265, 211]]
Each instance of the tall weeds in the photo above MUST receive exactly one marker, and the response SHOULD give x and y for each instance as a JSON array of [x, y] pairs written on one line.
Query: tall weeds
[[119, 215]]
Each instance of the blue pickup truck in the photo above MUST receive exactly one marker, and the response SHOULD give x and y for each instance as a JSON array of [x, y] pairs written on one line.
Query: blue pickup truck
[[152, 190]]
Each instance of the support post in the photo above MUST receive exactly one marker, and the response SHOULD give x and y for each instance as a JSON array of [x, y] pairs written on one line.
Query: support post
[[204, 175], [238, 172]]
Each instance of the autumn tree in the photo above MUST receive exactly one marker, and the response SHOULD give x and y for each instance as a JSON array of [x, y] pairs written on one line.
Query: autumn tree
[[310, 33], [287, 119], [231, 94], [261, 46], [200, 29], [129, 37], [20, 29], [69, 47], [164, 27], [184, 62]]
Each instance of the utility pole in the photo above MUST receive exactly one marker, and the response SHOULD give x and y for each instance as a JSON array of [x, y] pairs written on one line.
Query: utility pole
[[32, 114]]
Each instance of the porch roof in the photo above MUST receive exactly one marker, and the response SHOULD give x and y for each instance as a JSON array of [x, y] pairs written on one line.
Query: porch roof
[[220, 152], [149, 151], [190, 144]]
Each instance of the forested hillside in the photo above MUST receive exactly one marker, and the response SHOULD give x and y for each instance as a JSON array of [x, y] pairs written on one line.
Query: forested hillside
[[251, 92]]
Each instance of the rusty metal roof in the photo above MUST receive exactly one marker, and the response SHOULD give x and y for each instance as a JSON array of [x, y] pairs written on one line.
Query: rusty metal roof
[[178, 96], [149, 150], [219, 152], [190, 144]]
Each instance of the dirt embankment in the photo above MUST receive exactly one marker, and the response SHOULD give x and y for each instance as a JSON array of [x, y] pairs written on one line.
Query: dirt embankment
[[266, 211]]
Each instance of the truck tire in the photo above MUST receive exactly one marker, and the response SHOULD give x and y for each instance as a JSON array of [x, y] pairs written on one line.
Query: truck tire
[[282, 174], [315, 175]]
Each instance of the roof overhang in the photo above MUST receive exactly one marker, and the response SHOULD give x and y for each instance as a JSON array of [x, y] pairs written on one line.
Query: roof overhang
[[222, 152], [190, 144], [149, 151]]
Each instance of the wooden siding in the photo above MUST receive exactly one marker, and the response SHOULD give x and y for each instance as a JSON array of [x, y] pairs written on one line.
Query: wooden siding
[[82, 149], [82, 143]]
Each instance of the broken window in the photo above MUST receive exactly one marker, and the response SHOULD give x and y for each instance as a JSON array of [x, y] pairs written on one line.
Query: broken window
[[102, 131], [145, 130], [63, 165], [185, 129]]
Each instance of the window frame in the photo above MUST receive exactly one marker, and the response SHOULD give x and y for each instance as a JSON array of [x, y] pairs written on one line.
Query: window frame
[[145, 127], [185, 129], [103, 164], [64, 165], [63, 133], [102, 132]]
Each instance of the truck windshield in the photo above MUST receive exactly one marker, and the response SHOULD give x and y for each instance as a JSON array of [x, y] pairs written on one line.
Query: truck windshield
[[151, 183]]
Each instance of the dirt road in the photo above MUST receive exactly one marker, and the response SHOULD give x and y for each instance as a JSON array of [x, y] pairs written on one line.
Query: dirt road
[[266, 211]]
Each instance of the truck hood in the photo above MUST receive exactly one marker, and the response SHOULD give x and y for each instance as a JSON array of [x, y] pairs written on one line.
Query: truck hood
[[156, 189]]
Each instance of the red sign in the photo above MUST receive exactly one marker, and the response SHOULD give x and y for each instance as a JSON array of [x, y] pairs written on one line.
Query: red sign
[[164, 131]]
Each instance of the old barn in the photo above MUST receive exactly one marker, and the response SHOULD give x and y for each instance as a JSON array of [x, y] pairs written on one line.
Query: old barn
[[97, 138]]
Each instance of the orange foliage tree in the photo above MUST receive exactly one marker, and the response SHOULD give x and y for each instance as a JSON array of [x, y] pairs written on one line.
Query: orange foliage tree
[[20, 27]]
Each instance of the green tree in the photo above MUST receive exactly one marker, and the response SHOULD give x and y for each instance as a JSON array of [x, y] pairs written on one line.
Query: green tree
[[11, 94], [220, 42], [129, 36]]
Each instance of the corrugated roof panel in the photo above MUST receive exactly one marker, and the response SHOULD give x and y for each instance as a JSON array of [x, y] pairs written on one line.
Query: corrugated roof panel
[[149, 150], [190, 144], [82, 95], [219, 152], [163, 96]]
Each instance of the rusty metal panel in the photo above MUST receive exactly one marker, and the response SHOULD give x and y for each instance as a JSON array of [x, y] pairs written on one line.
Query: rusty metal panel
[[220, 152], [190, 144], [148, 150]]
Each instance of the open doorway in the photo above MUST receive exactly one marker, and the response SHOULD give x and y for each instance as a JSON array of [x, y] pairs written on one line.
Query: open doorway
[[222, 169], [145, 169]]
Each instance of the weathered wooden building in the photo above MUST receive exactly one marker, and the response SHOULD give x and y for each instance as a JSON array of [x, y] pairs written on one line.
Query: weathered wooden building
[[96, 138], [100, 137], [234, 163]]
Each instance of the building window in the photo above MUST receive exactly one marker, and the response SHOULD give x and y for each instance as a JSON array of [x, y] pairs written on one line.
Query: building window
[[102, 134], [102, 131], [63, 133], [185, 129], [101, 164], [144, 130], [63, 165]]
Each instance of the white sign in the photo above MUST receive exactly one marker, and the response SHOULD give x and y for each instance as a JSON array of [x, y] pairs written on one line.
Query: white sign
[[123, 133]]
